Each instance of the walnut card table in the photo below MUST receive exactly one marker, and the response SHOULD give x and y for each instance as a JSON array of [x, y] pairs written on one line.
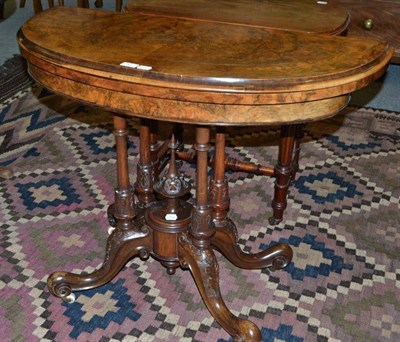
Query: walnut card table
[[200, 73]]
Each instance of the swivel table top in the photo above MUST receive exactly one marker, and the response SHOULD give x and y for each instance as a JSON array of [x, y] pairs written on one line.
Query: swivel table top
[[201, 72]]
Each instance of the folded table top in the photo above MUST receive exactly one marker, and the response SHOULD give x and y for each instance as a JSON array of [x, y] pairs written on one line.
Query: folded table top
[[291, 15], [193, 61]]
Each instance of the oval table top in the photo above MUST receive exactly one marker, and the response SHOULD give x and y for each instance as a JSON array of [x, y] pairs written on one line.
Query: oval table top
[[289, 15], [196, 71]]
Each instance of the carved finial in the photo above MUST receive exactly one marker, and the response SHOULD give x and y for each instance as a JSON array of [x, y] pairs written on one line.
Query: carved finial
[[172, 185], [172, 173]]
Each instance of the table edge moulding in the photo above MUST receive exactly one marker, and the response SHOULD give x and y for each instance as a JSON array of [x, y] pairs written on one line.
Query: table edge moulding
[[200, 73]]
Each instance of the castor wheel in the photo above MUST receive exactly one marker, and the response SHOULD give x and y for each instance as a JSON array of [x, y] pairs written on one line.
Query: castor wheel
[[69, 299]]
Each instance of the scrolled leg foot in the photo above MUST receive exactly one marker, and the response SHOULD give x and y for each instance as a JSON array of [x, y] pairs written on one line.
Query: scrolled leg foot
[[204, 269], [121, 247], [281, 256], [225, 241], [58, 286]]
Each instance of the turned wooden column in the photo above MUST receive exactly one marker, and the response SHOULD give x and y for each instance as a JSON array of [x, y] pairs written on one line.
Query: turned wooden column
[[123, 209], [202, 227], [283, 172], [145, 167], [219, 188]]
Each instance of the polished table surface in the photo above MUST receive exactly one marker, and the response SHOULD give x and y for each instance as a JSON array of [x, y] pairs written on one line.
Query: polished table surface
[[369, 19], [207, 72], [197, 72], [288, 15]]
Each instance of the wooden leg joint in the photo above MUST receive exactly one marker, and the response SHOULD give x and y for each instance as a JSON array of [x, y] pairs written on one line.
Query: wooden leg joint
[[144, 184], [202, 227]]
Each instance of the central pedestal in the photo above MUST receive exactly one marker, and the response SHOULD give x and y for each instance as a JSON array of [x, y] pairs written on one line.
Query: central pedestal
[[173, 231]]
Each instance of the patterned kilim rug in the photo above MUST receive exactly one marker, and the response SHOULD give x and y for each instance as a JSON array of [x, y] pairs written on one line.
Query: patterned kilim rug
[[13, 77], [342, 222]]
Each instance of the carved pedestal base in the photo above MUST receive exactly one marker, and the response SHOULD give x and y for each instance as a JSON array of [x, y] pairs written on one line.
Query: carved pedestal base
[[179, 251], [175, 232]]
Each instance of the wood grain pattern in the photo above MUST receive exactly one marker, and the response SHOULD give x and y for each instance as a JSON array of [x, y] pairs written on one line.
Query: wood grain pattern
[[288, 15], [187, 51], [195, 62], [192, 112], [386, 18]]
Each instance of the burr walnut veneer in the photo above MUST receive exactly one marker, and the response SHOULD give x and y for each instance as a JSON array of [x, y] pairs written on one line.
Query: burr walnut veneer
[[200, 73], [288, 15], [371, 19]]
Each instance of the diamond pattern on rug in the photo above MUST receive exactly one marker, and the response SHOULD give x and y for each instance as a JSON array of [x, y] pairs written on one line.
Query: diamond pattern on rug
[[95, 309], [339, 188], [341, 220], [91, 145], [326, 187], [71, 242], [379, 231], [373, 317], [51, 194], [311, 258], [48, 151], [54, 192], [16, 308], [25, 121]]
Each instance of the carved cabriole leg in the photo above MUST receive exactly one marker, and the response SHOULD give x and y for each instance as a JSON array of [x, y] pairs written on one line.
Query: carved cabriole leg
[[122, 245], [145, 167], [195, 252], [296, 150], [225, 241], [283, 172], [125, 242], [226, 237], [204, 269]]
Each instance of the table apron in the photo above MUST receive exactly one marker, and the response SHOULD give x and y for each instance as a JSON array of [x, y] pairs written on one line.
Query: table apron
[[191, 112]]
